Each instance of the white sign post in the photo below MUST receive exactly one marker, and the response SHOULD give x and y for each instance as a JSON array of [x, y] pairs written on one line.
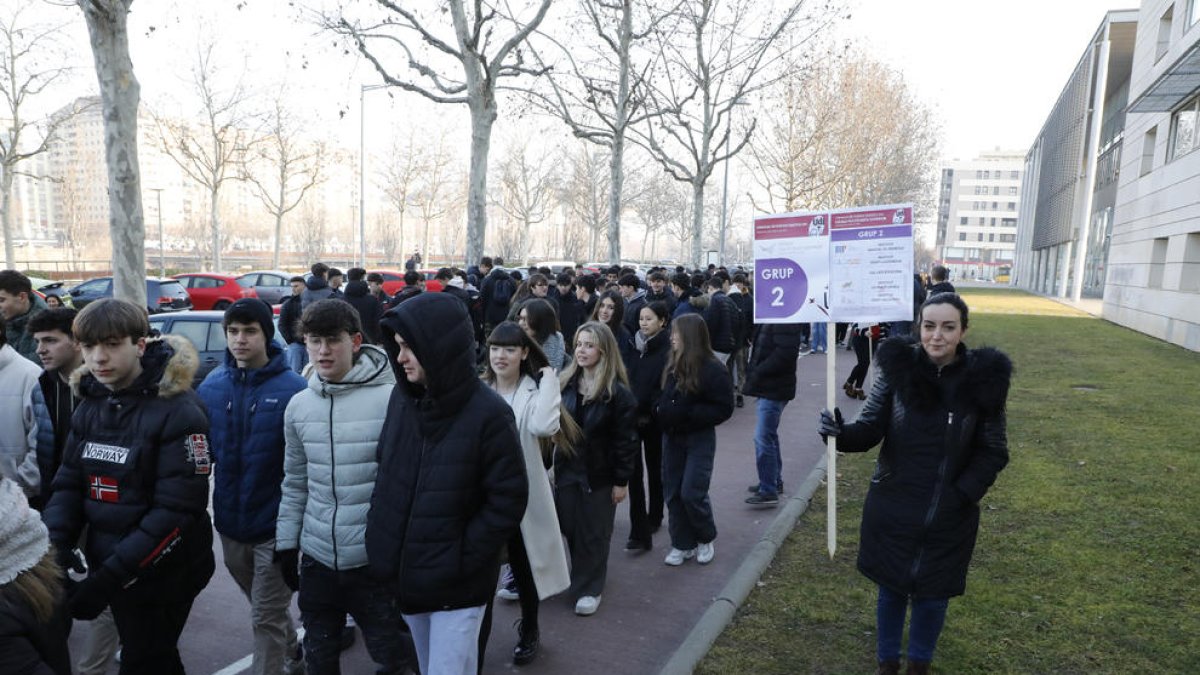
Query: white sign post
[[859, 260]]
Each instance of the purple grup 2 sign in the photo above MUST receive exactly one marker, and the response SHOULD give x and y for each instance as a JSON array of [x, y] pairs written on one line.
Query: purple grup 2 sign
[[780, 288]]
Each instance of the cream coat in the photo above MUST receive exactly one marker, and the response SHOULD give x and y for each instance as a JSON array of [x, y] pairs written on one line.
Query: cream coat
[[537, 412], [18, 424]]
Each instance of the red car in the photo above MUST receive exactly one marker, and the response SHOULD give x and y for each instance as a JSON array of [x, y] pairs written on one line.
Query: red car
[[393, 280], [214, 291]]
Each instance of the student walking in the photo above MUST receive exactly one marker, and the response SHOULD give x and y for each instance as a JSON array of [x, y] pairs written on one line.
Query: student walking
[[331, 431], [451, 488], [651, 349], [864, 337], [135, 474], [246, 398], [538, 319], [610, 311], [593, 476], [772, 379], [518, 372], [938, 408], [697, 396]]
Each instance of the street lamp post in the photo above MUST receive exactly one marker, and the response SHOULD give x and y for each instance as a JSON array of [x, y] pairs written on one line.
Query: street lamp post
[[162, 248], [362, 171]]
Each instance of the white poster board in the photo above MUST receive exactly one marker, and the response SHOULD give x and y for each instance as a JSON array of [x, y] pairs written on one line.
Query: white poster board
[[871, 264], [791, 268]]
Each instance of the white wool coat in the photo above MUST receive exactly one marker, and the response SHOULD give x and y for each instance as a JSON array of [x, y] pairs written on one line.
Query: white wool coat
[[537, 411], [18, 424]]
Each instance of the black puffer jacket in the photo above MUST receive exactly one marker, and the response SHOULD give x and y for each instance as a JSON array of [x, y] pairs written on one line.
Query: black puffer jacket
[[681, 412], [771, 371], [135, 471], [944, 442], [719, 318], [610, 440], [451, 486], [358, 294], [28, 646], [646, 369]]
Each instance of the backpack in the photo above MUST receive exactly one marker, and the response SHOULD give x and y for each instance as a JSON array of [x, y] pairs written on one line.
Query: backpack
[[504, 290]]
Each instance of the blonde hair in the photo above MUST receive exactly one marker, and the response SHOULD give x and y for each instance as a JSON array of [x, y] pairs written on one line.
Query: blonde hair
[[609, 371], [41, 587]]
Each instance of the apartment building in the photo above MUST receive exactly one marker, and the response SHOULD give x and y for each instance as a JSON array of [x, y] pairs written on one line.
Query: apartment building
[[978, 202]]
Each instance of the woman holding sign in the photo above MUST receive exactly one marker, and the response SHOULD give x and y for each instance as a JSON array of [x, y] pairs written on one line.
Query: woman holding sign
[[938, 407]]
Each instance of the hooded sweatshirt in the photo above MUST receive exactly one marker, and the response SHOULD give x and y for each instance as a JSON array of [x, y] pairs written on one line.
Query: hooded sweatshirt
[[451, 487]]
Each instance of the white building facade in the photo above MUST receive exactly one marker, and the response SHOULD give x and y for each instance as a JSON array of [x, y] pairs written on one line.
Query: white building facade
[[977, 215]]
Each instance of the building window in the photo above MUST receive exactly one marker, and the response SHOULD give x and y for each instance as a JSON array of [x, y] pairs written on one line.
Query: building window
[[1012, 191], [979, 237], [1183, 129], [979, 173], [995, 205], [1014, 174], [962, 236], [1148, 143], [1012, 206], [962, 221], [995, 190], [1190, 279], [982, 221], [1158, 262], [1164, 33], [991, 237]]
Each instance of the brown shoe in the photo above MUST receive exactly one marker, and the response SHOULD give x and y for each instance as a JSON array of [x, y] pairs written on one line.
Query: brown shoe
[[888, 668], [917, 668], [859, 394], [849, 389]]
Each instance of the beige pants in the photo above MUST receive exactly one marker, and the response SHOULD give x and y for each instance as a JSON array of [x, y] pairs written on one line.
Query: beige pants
[[253, 568], [99, 644]]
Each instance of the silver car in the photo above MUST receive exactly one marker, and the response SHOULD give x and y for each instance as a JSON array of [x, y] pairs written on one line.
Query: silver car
[[271, 285]]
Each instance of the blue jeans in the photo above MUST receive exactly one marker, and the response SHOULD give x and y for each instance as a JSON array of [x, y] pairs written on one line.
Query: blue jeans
[[766, 447], [818, 337], [928, 617], [297, 356], [687, 473]]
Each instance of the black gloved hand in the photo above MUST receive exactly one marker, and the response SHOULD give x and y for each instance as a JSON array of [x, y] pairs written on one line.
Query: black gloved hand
[[289, 565], [831, 424], [88, 598]]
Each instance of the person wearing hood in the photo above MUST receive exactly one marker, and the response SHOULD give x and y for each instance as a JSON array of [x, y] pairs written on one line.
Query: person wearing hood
[[358, 294], [451, 487], [19, 304], [135, 475], [414, 285], [246, 398], [33, 625], [331, 430], [316, 287], [635, 299], [681, 286]]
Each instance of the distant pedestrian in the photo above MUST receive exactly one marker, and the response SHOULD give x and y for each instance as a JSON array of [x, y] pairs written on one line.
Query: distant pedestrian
[[358, 294], [741, 295], [939, 410], [289, 318], [19, 304], [610, 311], [864, 338], [771, 377], [721, 320], [538, 320], [697, 396], [651, 351], [631, 291], [316, 287], [939, 281], [593, 477], [336, 279]]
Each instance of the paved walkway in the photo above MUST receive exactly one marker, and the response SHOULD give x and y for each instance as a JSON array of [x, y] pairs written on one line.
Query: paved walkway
[[648, 609]]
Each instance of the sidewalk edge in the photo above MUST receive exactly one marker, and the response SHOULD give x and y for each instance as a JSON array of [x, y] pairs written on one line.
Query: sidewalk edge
[[725, 605]]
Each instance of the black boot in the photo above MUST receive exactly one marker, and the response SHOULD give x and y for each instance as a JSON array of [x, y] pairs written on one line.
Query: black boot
[[527, 646], [918, 668], [888, 668]]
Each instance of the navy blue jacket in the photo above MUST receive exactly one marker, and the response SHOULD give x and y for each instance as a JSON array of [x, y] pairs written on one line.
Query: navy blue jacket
[[245, 411]]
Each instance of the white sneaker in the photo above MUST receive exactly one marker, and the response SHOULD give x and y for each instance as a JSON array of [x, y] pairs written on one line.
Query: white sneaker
[[676, 557], [705, 553], [587, 605]]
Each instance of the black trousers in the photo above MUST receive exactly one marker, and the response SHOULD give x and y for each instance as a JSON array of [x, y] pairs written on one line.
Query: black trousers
[[862, 350], [150, 634], [586, 518], [518, 559], [645, 515]]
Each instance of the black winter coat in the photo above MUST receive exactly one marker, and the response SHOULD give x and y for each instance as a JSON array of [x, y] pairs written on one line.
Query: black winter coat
[[570, 318], [666, 297], [610, 440], [451, 486], [358, 294], [646, 370], [944, 442], [941, 287], [681, 412], [719, 318], [495, 311], [28, 646], [771, 369], [289, 318], [135, 472], [744, 330]]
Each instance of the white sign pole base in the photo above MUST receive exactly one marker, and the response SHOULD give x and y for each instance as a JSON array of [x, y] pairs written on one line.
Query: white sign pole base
[[831, 351]]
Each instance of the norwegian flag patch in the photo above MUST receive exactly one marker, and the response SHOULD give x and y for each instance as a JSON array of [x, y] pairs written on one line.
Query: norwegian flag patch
[[197, 453], [103, 489]]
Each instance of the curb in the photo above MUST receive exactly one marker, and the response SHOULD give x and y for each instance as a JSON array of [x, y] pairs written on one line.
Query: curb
[[745, 578]]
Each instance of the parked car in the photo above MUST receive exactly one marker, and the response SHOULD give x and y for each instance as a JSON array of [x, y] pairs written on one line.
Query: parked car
[[214, 291], [203, 329], [272, 286], [393, 280], [162, 295]]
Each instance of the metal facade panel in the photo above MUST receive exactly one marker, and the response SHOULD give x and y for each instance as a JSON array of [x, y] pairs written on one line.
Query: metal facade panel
[[1061, 168]]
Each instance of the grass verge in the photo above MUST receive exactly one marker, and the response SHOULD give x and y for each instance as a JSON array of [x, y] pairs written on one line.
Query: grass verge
[[1089, 546]]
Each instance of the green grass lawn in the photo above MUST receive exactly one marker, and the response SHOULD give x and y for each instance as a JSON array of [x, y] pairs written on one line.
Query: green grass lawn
[[1089, 549]]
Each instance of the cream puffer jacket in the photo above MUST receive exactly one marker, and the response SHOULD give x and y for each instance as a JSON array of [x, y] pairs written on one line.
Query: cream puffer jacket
[[331, 432]]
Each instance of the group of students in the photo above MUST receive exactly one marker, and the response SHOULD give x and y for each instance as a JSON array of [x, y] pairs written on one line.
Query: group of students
[[388, 482]]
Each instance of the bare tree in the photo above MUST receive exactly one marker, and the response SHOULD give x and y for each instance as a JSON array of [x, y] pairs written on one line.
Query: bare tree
[[120, 95], [484, 58], [283, 167], [843, 133], [431, 197], [586, 193], [398, 180], [32, 61], [527, 187], [657, 207], [211, 152], [720, 56], [312, 230], [600, 98]]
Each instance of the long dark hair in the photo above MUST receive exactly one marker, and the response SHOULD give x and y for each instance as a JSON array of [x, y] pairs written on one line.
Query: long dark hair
[[540, 317], [509, 334], [694, 350], [614, 324]]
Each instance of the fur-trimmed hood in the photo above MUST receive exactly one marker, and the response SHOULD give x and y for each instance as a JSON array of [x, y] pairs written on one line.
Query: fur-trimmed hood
[[168, 365], [986, 377]]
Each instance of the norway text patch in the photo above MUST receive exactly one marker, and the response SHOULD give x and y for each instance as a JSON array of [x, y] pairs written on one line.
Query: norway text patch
[[105, 453]]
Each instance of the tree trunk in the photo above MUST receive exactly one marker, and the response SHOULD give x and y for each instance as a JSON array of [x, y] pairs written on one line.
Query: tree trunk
[[483, 115], [278, 236], [616, 179], [215, 224], [6, 183], [697, 221], [120, 95]]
